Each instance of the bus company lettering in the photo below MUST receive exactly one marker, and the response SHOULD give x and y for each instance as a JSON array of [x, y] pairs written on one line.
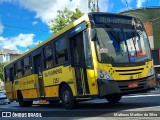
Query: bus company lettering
[[28, 82], [52, 72]]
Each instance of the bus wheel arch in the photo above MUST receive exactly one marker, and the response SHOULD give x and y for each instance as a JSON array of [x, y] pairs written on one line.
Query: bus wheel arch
[[18, 94], [20, 98], [66, 96], [21, 101]]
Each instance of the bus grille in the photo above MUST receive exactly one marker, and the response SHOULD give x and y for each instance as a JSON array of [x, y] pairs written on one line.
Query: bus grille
[[123, 85], [130, 71]]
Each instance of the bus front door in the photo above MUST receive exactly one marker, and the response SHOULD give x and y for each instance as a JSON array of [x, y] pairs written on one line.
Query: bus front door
[[79, 63], [38, 71]]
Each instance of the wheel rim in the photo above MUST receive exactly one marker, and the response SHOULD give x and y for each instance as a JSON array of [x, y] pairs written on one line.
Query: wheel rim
[[66, 96]]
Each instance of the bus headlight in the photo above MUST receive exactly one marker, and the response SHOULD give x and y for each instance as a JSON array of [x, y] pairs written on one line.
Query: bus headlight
[[151, 71], [104, 75]]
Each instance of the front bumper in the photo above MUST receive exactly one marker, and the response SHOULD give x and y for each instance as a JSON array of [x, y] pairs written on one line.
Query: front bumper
[[107, 87]]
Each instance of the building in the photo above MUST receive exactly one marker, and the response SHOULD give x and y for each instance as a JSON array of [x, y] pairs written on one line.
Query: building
[[7, 55], [151, 19], [2, 86]]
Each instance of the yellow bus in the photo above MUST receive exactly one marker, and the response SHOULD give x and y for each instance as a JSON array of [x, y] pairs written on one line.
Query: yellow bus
[[100, 55]]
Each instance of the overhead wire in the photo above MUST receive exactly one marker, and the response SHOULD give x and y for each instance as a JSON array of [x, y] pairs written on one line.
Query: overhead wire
[[17, 27], [146, 3], [127, 5], [129, 8]]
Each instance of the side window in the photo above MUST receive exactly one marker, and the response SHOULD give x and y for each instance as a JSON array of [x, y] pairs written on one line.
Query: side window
[[11, 75], [48, 56], [28, 65], [77, 50], [15, 70], [20, 70], [61, 53], [7, 78], [22, 67]]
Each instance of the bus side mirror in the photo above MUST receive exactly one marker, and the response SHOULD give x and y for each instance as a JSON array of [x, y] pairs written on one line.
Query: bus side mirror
[[93, 34]]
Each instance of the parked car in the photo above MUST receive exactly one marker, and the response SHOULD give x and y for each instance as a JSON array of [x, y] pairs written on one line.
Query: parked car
[[3, 98]]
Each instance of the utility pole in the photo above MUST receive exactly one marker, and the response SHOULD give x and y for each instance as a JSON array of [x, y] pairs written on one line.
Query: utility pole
[[93, 5]]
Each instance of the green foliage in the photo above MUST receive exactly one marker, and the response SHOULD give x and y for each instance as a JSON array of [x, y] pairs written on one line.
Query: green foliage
[[64, 18], [2, 71], [77, 14]]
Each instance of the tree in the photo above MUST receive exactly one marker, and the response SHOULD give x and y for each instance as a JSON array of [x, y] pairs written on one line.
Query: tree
[[64, 18], [2, 71], [77, 14]]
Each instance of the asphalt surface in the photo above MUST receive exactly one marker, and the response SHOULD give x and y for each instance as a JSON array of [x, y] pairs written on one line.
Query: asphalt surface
[[136, 106]]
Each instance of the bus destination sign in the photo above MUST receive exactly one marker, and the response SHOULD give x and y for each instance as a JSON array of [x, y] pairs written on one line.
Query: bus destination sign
[[108, 19]]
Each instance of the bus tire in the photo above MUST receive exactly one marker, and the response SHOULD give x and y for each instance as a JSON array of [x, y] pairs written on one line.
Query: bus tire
[[23, 103], [53, 101], [29, 103], [67, 97], [113, 98]]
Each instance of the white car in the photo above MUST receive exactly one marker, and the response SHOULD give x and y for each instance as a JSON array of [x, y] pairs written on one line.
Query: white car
[[3, 98]]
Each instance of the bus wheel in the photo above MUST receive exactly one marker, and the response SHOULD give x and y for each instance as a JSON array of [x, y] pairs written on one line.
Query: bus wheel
[[20, 99], [53, 102], [67, 97], [29, 103], [113, 98], [23, 103]]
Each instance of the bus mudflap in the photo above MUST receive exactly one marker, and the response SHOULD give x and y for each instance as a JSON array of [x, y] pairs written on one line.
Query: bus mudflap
[[107, 87]]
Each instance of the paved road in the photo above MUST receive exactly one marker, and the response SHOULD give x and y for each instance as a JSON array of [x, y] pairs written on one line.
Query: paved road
[[132, 105]]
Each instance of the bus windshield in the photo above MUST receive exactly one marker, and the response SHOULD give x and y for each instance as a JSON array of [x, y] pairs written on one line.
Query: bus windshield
[[122, 44]]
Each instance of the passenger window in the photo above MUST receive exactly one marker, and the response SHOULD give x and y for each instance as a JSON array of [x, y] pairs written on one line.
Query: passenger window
[[48, 56], [28, 65], [15, 70], [61, 53], [20, 70], [11, 74], [7, 79]]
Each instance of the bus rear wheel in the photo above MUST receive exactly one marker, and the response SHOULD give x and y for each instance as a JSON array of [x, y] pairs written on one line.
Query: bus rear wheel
[[53, 101], [67, 97], [113, 98], [23, 103]]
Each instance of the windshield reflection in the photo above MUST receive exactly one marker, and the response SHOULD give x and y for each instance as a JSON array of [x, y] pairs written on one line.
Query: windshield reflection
[[122, 45]]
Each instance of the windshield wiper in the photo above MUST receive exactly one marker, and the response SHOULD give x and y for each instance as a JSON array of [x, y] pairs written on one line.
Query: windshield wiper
[[114, 34]]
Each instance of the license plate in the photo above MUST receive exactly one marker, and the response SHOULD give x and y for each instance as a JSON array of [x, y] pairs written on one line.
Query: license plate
[[133, 85]]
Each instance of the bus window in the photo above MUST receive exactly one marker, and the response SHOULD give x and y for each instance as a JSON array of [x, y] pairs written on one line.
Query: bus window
[[48, 56], [7, 79], [28, 65], [61, 54], [77, 49], [20, 69], [11, 74], [15, 70]]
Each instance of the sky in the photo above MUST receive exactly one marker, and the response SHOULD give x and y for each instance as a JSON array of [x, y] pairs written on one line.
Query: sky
[[25, 23]]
